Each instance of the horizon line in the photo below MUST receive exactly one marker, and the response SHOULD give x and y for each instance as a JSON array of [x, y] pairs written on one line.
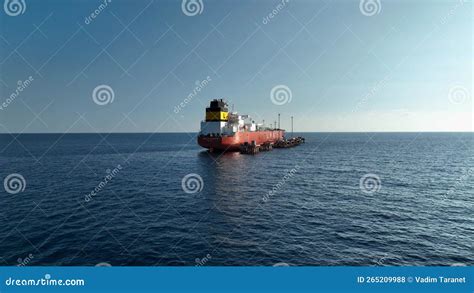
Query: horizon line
[[184, 132]]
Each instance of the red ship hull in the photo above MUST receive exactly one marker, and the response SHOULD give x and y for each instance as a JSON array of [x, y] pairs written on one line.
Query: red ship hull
[[232, 143]]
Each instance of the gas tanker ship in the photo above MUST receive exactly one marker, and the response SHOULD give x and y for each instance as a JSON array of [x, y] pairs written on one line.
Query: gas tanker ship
[[227, 131]]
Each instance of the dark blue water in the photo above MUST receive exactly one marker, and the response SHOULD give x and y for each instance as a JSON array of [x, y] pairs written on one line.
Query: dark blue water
[[418, 211]]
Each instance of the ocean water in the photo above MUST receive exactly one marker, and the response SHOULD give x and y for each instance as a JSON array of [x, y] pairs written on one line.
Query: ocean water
[[340, 199]]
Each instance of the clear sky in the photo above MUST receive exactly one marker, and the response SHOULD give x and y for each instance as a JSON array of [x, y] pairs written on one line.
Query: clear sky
[[350, 66]]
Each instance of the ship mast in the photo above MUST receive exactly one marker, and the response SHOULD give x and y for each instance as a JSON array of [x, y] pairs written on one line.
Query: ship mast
[[291, 126]]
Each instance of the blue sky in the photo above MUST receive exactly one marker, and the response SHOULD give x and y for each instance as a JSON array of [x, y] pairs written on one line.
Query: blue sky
[[407, 67]]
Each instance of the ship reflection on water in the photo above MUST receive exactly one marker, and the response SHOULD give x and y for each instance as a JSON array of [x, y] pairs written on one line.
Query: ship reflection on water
[[225, 180]]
